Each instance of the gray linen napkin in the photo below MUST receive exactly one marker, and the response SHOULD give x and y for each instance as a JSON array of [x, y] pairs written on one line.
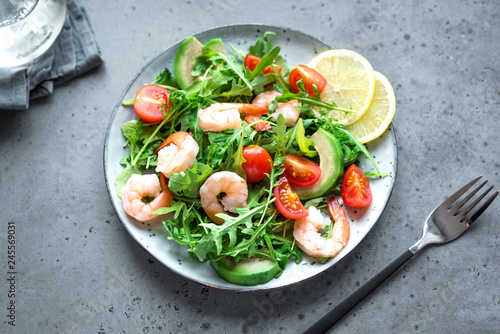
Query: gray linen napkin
[[74, 52]]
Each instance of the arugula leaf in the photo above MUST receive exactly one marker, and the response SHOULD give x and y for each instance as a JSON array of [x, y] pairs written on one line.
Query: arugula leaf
[[219, 78], [370, 174], [249, 245], [280, 134], [303, 97], [340, 128], [304, 142], [238, 53], [267, 39], [229, 228], [285, 70], [194, 126], [223, 145], [132, 130], [234, 68], [238, 158], [177, 207], [284, 249], [260, 48], [254, 195], [260, 82], [165, 78], [267, 60], [188, 183], [202, 63], [316, 202], [237, 89], [350, 153], [185, 232], [257, 49], [122, 178], [128, 102], [219, 149]]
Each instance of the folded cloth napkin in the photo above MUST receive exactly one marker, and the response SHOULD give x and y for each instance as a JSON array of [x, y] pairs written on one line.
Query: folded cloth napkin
[[74, 52]]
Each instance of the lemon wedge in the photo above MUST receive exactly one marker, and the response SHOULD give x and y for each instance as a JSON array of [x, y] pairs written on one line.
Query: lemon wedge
[[379, 115], [350, 82]]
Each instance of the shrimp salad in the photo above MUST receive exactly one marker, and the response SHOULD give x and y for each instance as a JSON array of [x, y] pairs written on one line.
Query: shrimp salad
[[230, 154]]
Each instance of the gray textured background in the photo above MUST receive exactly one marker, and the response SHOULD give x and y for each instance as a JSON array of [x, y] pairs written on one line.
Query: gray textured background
[[80, 272]]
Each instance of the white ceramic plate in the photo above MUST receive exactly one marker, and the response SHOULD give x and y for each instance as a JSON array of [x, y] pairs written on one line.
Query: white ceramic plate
[[297, 48]]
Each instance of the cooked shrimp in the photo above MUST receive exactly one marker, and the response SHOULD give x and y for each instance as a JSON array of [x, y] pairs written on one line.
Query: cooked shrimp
[[223, 116], [177, 153], [232, 185], [219, 117], [266, 98], [311, 242], [287, 109], [139, 187]]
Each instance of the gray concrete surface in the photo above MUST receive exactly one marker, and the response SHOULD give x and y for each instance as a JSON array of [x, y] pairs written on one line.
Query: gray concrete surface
[[78, 270]]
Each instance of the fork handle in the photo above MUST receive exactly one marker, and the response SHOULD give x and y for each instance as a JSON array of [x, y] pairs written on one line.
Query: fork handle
[[332, 317]]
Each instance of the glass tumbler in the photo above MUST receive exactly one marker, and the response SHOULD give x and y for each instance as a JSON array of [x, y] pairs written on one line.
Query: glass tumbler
[[27, 29]]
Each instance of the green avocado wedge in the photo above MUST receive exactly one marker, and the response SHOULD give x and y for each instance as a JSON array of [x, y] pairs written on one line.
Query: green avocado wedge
[[247, 271], [216, 45], [189, 49], [331, 163]]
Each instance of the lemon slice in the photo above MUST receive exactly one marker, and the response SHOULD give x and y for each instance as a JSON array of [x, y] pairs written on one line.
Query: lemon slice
[[379, 115], [350, 82]]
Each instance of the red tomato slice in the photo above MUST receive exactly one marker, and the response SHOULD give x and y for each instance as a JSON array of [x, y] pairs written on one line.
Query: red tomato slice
[[149, 101], [309, 77], [252, 61], [301, 172], [258, 163], [287, 202], [355, 188]]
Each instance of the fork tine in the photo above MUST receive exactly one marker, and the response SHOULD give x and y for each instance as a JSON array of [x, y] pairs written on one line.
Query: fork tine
[[459, 193], [473, 204], [479, 211], [457, 207]]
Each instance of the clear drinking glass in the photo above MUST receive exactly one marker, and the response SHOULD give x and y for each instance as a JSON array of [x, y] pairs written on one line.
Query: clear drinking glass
[[27, 29]]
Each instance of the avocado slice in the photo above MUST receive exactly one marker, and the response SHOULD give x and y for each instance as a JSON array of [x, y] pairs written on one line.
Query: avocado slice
[[247, 271], [331, 164], [216, 45], [189, 49]]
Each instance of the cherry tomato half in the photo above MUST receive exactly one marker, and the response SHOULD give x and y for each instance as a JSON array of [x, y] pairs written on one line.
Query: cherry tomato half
[[149, 101], [309, 77], [252, 61], [355, 188], [258, 163], [287, 202], [301, 172]]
